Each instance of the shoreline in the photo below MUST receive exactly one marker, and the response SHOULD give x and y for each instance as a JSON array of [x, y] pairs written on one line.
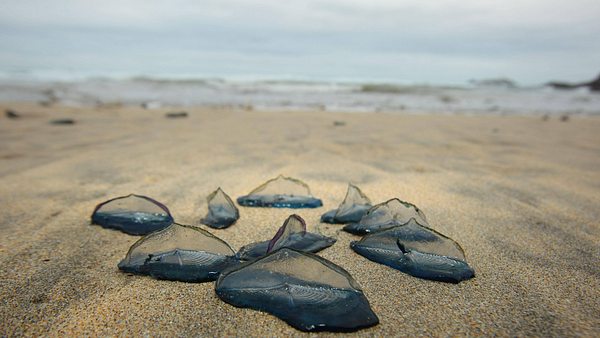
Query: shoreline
[[38, 109]]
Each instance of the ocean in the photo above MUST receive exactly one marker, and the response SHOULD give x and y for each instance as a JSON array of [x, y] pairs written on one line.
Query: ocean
[[484, 97]]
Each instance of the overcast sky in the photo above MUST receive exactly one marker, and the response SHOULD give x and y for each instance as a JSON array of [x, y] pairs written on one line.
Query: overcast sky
[[444, 41]]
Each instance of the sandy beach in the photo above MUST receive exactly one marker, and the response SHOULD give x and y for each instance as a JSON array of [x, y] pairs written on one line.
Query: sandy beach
[[520, 194]]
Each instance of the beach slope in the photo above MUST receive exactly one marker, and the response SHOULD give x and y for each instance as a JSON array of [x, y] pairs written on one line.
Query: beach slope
[[520, 194]]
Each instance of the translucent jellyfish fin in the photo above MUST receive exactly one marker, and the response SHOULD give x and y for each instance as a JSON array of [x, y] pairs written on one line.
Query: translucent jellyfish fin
[[221, 211], [354, 197], [282, 185], [352, 209], [292, 225], [418, 237]]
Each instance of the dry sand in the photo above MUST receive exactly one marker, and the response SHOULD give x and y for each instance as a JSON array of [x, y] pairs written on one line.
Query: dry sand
[[521, 195]]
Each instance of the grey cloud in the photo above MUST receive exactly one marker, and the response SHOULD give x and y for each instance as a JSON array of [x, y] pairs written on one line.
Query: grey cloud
[[409, 40]]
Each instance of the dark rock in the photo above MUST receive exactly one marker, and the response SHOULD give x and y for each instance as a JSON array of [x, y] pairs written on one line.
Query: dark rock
[[593, 85], [11, 114], [62, 122], [176, 115]]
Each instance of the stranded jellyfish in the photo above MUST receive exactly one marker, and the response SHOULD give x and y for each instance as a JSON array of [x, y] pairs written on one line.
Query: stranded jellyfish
[[386, 215], [308, 292], [418, 251], [221, 211], [292, 234], [132, 214], [353, 208], [179, 252], [281, 192]]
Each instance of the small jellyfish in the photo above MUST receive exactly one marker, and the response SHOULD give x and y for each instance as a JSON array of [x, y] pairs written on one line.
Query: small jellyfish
[[386, 215], [353, 208], [179, 252], [221, 211], [292, 234], [418, 251], [132, 214], [308, 292], [281, 192]]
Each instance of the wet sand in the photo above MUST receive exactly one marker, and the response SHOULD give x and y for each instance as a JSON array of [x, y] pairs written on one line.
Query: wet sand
[[521, 195]]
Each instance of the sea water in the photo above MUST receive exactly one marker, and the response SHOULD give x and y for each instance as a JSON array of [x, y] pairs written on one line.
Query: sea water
[[285, 94]]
